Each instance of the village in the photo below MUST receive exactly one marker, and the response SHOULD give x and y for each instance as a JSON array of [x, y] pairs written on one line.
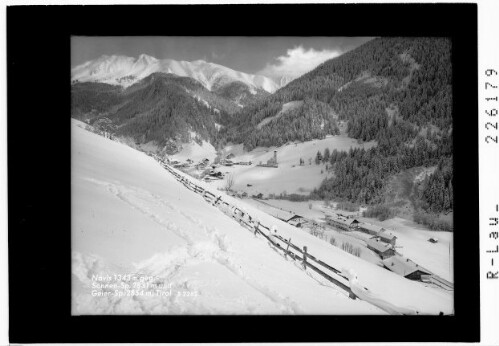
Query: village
[[368, 241]]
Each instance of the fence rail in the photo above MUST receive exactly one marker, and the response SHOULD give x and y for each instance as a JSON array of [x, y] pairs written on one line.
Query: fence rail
[[327, 271], [278, 242]]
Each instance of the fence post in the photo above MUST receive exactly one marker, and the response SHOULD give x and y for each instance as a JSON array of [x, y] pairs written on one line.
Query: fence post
[[287, 248], [304, 257], [256, 224]]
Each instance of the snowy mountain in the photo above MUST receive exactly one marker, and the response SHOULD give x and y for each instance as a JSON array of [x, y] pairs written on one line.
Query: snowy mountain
[[284, 80], [161, 108], [124, 71]]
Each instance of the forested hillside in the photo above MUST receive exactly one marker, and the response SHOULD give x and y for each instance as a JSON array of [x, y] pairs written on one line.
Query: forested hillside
[[240, 94], [396, 91], [159, 108]]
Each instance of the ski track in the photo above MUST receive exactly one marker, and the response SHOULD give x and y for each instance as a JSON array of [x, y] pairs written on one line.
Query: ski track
[[217, 248]]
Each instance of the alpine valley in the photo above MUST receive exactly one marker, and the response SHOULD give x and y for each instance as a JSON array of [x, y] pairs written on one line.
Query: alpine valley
[[266, 196], [394, 93]]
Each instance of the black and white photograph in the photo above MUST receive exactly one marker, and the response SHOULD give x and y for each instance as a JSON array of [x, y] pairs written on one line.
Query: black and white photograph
[[262, 175], [240, 173]]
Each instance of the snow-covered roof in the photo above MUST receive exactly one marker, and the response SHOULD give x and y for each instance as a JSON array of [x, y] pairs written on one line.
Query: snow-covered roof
[[371, 227], [295, 217], [403, 266], [387, 236], [379, 246], [342, 219]]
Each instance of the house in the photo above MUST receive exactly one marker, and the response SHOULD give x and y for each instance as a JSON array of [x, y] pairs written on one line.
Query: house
[[386, 237], [369, 229], [296, 220], [342, 222], [406, 268], [383, 250]]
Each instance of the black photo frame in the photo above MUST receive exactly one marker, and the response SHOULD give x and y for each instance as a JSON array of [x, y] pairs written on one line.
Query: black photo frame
[[39, 169]]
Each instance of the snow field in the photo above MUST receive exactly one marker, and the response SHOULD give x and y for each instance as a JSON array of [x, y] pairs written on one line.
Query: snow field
[[289, 176], [384, 286], [130, 216]]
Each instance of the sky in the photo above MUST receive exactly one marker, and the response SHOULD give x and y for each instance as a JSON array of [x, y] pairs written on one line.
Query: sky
[[273, 57]]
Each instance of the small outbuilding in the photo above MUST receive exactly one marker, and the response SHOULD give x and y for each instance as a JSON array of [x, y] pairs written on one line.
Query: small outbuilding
[[296, 220], [406, 268], [386, 237]]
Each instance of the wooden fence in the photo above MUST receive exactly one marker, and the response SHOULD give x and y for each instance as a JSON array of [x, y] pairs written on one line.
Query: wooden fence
[[285, 246]]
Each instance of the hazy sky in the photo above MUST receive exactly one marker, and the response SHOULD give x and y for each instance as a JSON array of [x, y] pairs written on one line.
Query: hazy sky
[[270, 56]]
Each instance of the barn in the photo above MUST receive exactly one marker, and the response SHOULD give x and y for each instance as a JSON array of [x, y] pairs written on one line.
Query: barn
[[383, 250], [406, 268], [341, 222]]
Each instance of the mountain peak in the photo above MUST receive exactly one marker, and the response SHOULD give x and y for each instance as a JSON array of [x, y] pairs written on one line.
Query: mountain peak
[[147, 58], [123, 70]]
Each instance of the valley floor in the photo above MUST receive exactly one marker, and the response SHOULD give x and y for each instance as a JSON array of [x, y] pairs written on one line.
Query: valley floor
[[289, 176]]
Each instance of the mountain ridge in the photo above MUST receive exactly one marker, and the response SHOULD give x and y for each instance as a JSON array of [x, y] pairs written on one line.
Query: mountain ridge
[[125, 71]]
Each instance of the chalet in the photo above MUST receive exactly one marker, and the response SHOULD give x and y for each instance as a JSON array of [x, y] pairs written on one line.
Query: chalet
[[296, 220], [342, 222], [406, 268], [383, 250], [386, 237]]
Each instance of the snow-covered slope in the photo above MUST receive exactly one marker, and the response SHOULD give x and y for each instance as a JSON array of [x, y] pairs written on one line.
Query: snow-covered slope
[[130, 216], [122, 70], [284, 80]]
